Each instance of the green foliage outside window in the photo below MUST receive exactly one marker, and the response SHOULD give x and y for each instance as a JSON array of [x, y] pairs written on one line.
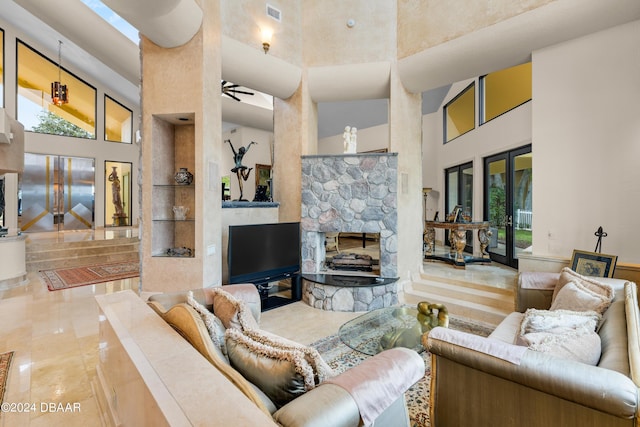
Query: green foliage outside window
[[55, 125]]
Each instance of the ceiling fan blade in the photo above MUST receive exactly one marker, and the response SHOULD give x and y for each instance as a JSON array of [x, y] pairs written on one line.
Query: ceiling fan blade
[[232, 96], [243, 92]]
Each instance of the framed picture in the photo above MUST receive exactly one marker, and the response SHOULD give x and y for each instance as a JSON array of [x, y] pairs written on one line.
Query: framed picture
[[593, 263], [263, 174]]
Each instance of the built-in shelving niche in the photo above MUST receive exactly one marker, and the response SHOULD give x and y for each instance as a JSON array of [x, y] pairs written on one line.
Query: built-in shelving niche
[[173, 148]]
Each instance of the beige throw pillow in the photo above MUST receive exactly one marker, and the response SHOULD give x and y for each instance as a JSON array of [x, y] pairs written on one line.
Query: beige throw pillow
[[576, 297], [232, 312], [281, 374], [567, 275]]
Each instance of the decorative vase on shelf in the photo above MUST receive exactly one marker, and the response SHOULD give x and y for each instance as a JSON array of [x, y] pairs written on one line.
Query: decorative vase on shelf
[[180, 212], [183, 177]]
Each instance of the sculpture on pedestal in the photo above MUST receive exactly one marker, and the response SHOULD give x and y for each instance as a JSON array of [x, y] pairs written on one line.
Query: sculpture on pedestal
[[242, 172], [119, 218], [350, 136]]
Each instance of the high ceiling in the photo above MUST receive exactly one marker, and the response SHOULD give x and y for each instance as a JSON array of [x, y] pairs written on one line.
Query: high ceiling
[[116, 64]]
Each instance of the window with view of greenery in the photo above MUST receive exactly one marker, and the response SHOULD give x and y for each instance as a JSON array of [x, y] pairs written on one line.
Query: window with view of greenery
[[118, 125], [1, 67], [504, 90], [36, 111], [460, 114]]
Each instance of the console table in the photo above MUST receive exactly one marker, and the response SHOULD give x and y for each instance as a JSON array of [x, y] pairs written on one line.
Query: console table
[[458, 241]]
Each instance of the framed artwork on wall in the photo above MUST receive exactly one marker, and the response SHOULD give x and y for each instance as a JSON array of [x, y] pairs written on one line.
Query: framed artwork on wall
[[593, 263], [263, 175]]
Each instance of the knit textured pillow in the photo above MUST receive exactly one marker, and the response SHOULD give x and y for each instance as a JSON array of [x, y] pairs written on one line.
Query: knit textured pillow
[[562, 333]]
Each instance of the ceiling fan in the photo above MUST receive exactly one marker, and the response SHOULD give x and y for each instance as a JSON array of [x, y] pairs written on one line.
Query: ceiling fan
[[231, 90]]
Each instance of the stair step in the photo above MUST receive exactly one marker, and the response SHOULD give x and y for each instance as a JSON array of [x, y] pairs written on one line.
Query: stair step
[[65, 254], [79, 261], [504, 289], [73, 252], [482, 296], [467, 309]]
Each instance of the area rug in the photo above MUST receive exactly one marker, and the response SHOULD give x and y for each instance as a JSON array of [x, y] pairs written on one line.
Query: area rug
[[5, 363], [64, 278], [340, 357]]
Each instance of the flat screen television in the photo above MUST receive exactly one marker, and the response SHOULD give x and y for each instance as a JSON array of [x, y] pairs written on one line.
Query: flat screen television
[[262, 253]]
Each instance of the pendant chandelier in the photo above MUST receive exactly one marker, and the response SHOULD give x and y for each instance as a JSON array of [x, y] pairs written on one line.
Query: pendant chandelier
[[59, 92]]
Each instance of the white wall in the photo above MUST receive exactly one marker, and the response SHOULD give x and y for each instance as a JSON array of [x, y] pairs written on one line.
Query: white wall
[[586, 139], [97, 149], [508, 131], [259, 153]]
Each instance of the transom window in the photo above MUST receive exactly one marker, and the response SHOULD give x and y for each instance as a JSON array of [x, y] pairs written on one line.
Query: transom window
[[35, 109], [504, 90], [118, 125], [460, 114]]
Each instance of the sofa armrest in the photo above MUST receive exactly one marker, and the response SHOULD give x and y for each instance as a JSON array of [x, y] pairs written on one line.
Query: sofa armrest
[[362, 392], [535, 290], [325, 405], [598, 388]]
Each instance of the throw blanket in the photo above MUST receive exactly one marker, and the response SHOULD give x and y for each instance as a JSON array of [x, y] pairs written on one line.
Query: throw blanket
[[394, 370]]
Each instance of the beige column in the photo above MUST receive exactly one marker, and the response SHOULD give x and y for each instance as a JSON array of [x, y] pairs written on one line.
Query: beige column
[[295, 134], [405, 138], [177, 83]]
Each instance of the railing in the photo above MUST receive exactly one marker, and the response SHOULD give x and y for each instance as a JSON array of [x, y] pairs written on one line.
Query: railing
[[523, 219]]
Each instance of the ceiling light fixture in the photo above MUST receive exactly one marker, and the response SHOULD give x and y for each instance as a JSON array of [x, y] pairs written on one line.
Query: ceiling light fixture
[[266, 39], [59, 92]]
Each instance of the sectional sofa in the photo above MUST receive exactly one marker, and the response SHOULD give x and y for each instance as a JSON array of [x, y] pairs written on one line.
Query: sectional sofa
[[501, 381]]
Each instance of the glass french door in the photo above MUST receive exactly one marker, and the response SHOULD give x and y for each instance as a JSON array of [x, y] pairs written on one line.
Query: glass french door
[[508, 207], [56, 193], [459, 192]]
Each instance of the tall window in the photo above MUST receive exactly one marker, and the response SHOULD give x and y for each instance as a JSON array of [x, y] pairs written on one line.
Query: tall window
[[1, 67], [504, 90], [118, 125], [460, 114], [35, 109]]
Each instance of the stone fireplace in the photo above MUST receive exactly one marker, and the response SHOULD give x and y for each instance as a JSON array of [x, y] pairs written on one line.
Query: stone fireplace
[[354, 193]]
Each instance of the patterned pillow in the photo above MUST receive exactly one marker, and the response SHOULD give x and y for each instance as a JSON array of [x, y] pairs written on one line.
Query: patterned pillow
[[567, 275], [281, 374], [232, 312], [321, 371], [214, 325]]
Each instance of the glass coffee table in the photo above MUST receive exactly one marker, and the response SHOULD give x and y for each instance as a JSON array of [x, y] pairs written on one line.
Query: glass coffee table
[[385, 328]]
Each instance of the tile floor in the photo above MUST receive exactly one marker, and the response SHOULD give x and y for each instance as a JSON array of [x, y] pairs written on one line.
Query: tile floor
[[55, 339]]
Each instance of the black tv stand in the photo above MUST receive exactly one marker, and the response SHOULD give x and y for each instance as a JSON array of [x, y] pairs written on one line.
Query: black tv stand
[[274, 301]]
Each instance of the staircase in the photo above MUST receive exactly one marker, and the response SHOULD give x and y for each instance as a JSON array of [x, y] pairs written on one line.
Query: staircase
[[463, 297], [50, 255]]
